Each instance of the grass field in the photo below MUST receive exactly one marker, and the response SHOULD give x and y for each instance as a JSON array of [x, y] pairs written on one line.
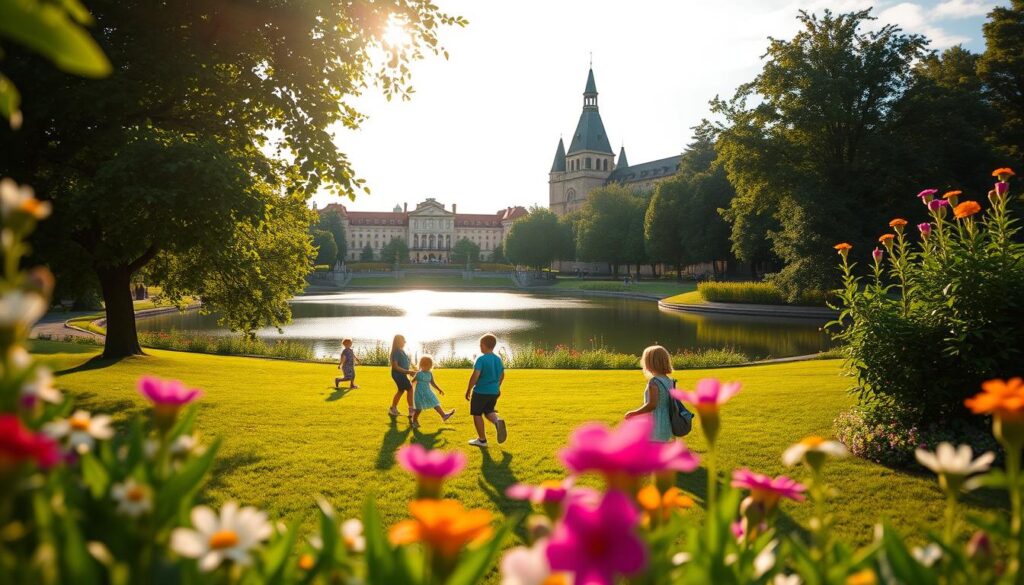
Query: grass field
[[288, 435], [662, 288], [430, 280]]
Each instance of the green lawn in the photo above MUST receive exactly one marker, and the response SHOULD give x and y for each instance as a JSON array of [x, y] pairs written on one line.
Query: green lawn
[[288, 435], [429, 280], [687, 298], [662, 288]]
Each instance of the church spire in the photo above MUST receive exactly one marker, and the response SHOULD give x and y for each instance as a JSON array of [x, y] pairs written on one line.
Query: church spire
[[590, 134], [622, 162], [590, 93], [559, 165]]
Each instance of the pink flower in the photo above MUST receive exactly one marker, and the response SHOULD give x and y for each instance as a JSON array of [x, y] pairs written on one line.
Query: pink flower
[[927, 195], [431, 467], [1001, 188], [876, 254], [167, 392], [624, 453], [925, 229], [709, 394], [767, 489], [552, 491], [18, 444], [937, 204], [598, 543]]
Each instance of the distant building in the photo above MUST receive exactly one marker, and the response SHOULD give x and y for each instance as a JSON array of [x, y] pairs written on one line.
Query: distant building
[[430, 230], [590, 162]]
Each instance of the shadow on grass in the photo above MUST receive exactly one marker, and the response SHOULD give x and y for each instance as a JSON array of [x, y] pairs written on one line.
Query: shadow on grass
[[230, 465], [338, 394], [96, 363], [432, 440], [392, 440], [496, 477]]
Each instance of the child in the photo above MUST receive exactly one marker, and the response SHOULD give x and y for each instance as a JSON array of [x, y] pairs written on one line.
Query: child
[[400, 372], [347, 365], [485, 387], [657, 367], [423, 396]]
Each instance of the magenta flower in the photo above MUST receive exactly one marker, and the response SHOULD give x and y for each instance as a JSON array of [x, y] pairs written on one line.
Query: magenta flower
[[937, 204], [431, 467], [167, 392], [598, 543], [766, 489], [18, 444], [927, 195], [877, 254], [624, 453], [1001, 188], [547, 492], [709, 394], [925, 229]]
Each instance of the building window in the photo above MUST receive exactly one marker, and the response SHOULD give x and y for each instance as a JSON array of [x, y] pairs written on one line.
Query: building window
[[605, 165], [588, 162]]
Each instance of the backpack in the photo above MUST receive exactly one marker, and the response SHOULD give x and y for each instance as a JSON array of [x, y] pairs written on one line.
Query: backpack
[[680, 419]]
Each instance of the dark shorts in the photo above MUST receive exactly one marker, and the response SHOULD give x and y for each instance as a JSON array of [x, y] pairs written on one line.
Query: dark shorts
[[482, 404], [401, 381], [348, 374]]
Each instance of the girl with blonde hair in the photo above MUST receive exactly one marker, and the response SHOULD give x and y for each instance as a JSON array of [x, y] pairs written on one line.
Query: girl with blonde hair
[[423, 396], [657, 364], [401, 369]]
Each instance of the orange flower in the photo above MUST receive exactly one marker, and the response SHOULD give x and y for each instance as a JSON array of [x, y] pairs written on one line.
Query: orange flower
[[1004, 399], [306, 562], [898, 222], [966, 209], [951, 194], [842, 246], [655, 502], [1003, 173], [886, 239], [443, 525]]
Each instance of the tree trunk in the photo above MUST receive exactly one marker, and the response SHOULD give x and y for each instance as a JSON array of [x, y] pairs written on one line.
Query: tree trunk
[[122, 337]]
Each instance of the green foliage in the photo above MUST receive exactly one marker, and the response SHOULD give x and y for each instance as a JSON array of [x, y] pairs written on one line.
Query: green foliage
[[366, 255], [611, 227], [330, 221], [538, 239], [936, 318], [395, 251], [601, 358], [1001, 68], [225, 345], [326, 249], [465, 251], [761, 293], [840, 125], [498, 254]]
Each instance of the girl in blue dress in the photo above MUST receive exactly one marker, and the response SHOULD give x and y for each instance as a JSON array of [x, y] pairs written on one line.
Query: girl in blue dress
[[423, 396], [657, 364]]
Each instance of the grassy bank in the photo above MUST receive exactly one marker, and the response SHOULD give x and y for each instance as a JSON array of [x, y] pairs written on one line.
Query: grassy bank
[[288, 435], [429, 281], [661, 288], [758, 293]]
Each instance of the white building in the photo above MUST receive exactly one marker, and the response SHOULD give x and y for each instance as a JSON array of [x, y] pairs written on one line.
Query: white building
[[430, 230]]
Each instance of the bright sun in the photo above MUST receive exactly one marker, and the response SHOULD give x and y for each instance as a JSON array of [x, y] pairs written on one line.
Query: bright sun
[[396, 34]]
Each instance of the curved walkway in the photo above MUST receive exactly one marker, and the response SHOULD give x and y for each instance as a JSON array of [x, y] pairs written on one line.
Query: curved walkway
[[750, 310]]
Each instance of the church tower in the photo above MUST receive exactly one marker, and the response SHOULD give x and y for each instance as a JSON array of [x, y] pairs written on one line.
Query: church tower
[[588, 162]]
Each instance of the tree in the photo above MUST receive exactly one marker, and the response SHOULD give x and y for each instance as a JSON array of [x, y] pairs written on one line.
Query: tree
[[538, 239], [465, 251], [326, 249], [394, 251], [610, 228], [498, 254], [367, 254], [1001, 68], [823, 141], [330, 221], [194, 91]]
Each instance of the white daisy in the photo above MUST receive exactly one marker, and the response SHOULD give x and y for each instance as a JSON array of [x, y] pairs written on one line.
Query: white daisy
[[928, 555], [951, 461], [528, 566], [133, 498], [40, 387], [781, 579], [812, 446], [228, 537], [765, 560], [80, 430], [14, 197], [19, 307], [352, 535]]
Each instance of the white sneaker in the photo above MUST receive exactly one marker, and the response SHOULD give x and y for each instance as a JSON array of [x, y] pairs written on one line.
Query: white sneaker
[[478, 443], [502, 430]]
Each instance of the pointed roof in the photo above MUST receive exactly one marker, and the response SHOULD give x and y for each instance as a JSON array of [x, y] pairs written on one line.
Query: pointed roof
[[590, 133], [622, 162], [559, 165]]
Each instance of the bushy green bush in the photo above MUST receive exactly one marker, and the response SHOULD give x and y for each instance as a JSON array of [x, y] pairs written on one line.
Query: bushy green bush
[[378, 354], [224, 345], [758, 293], [938, 313], [600, 358]]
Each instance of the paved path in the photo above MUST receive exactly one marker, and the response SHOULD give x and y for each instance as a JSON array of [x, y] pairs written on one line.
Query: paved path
[[52, 326], [750, 310]]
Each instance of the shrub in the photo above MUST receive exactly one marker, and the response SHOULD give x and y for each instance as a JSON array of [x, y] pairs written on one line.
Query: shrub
[[224, 345], [760, 293], [494, 267], [600, 358], [937, 316], [377, 355]]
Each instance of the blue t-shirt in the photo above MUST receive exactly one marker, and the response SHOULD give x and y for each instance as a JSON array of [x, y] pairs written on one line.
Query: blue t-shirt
[[401, 358], [490, 367]]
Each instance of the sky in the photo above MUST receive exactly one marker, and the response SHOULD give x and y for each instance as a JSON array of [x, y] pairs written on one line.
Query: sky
[[482, 127]]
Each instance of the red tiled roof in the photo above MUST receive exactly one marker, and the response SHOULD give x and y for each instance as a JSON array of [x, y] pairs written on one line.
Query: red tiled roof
[[402, 218], [377, 218], [510, 213], [477, 219]]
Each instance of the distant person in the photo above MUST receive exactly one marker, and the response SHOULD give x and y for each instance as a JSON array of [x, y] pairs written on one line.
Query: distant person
[[400, 372], [423, 396], [657, 364], [347, 364], [484, 390]]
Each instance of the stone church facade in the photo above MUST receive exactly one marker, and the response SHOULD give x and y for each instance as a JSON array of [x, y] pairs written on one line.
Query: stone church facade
[[590, 162], [430, 230]]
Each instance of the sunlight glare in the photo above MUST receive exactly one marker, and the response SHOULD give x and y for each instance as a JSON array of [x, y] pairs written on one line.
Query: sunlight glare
[[396, 33]]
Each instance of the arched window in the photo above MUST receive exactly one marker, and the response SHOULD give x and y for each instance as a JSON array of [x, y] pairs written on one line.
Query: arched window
[[416, 241], [570, 195], [588, 162], [605, 165]]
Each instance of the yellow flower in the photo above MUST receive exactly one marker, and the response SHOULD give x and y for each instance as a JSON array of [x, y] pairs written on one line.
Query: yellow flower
[[662, 504], [862, 577], [443, 525]]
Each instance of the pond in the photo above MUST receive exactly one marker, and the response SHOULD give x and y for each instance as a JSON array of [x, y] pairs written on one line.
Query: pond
[[450, 322]]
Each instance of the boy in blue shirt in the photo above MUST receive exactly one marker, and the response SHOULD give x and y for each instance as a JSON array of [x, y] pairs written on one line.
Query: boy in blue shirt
[[484, 390]]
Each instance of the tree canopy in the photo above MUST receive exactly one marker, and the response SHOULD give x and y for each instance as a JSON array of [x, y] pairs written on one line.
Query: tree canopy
[[538, 239], [326, 249], [611, 227], [464, 251], [330, 221], [396, 250]]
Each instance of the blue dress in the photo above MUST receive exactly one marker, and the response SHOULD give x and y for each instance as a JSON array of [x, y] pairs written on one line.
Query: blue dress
[[662, 431], [424, 396]]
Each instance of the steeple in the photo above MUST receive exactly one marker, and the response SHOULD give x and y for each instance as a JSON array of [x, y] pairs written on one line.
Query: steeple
[[559, 165], [622, 162], [590, 134]]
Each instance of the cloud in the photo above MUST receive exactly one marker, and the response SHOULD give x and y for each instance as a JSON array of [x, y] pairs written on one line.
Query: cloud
[[915, 18], [955, 9]]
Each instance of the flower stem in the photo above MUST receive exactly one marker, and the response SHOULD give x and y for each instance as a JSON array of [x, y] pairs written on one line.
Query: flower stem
[[1013, 454], [950, 528]]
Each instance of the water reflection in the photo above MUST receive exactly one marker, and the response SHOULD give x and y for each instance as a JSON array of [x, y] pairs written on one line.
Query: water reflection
[[449, 322]]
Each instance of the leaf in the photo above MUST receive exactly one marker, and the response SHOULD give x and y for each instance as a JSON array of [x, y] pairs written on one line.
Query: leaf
[[904, 566], [476, 563], [379, 560], [95, 475], [79, 566], [178, 489], [46, 28], [9, 100], [275, 557]]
